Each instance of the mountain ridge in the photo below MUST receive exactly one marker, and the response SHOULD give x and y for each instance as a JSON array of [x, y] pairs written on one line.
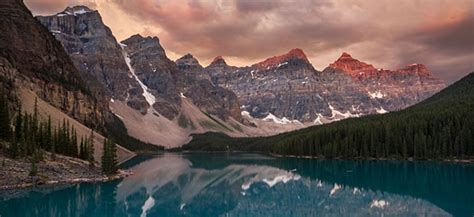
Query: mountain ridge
[[283, 92]]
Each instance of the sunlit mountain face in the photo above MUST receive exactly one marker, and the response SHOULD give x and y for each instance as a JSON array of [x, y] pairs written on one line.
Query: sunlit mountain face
[[254, 185]]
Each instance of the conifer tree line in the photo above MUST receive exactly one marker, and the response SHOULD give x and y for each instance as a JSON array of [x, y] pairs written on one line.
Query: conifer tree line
[[109, 157], [32, 136], [429, 136], [441, 127], [28, 136]]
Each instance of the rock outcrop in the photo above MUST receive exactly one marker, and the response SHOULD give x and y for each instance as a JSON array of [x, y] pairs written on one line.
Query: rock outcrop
[[96, 53], [30, 57], [158, 73]]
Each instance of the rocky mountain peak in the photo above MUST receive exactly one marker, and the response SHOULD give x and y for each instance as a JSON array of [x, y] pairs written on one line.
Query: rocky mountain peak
[[139, 38], [149, 44], [188, 61], [417, 69], [219, 60], [352, 66], [345, 55], [75, 10], [294, 54]]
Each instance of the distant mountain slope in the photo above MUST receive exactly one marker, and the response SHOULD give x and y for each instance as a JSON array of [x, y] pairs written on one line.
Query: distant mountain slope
[[288, 87], [439, 127]]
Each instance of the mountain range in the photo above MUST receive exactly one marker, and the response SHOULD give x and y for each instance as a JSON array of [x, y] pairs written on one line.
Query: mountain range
[[90, 76]]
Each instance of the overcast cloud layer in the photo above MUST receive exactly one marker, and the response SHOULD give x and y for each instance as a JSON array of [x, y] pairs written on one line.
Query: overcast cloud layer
[[386, 33]]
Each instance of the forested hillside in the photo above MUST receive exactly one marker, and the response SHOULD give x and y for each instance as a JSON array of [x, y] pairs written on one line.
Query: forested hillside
[[439, 127]]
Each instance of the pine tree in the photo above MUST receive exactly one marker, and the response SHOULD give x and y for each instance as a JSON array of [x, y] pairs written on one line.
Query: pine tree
[[33, 169], [90, 149], [19, 125], [113, 157], [5, 130], [48, 135], [34, 127], [53, 144], [81, 148], [109, 157], [105, 160], [74, 143]]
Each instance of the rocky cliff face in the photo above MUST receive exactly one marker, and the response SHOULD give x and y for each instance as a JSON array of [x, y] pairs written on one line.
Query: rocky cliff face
[[287, 88], [156, 71], [31, 58], [170, 81], [96, 53], [196, 84], [393, 89]]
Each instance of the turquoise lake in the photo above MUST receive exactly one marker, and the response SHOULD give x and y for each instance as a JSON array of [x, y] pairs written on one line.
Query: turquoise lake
[[257, 185]]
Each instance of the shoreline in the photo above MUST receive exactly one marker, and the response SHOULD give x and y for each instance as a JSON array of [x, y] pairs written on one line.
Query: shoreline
[[460, 161], [120, 175], [15, 173]]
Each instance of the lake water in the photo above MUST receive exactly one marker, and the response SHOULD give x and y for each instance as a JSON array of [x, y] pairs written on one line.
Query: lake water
[[255, 185]]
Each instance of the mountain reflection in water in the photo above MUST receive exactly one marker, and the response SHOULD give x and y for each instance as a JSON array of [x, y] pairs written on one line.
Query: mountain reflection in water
[[256, 185]]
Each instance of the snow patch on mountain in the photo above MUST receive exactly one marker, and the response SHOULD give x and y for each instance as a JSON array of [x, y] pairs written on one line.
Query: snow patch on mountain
[[376, 95], [381, 110], [318, 120], [148, 96], [284, 120], [282, 64], [337, 115]]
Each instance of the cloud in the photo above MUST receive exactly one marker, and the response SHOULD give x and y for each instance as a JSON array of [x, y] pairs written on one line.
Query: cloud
[[388, 34], [46, 7]]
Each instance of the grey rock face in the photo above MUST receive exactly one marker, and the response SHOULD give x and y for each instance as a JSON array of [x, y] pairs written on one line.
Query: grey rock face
[[156, 71], [96, 53], [285, 86], [169, 81], [191, 67], [288, 86], [212, 99]]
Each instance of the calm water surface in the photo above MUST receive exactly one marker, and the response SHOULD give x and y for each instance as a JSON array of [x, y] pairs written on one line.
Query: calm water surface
[[256, 185]]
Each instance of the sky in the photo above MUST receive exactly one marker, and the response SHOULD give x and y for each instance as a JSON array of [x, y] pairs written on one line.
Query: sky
[[388, 34]]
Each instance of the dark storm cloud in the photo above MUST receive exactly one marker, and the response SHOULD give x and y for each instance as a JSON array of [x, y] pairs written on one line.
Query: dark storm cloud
[[447, 49], [388, 34], [46, 7], [233, 28]]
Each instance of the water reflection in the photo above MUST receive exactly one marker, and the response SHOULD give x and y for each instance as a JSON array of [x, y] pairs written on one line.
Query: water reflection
[[255, 185]]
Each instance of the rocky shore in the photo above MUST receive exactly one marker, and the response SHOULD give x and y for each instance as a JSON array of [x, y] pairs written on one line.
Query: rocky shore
[[15, 173]]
